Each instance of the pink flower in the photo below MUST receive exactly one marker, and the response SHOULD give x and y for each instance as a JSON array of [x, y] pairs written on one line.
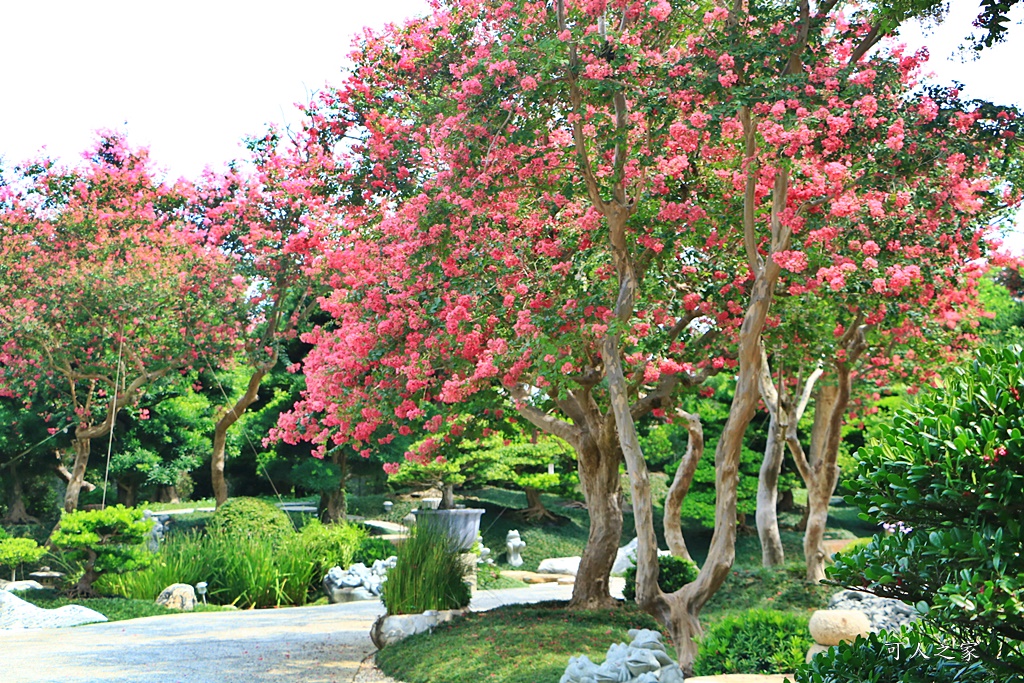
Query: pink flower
[[391, 468], [528, 83], [793, 261], [661, 10]]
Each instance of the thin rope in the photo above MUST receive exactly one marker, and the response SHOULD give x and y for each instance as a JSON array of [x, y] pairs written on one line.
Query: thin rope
[[113, 420], [28, 450]]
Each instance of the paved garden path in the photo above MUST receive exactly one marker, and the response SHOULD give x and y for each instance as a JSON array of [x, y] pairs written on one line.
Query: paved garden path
[[324, 644]]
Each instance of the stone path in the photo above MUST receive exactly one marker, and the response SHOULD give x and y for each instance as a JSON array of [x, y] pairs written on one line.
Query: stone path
[[323, 644]]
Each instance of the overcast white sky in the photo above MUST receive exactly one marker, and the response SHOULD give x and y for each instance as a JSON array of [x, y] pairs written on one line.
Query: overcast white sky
[[190, 78]]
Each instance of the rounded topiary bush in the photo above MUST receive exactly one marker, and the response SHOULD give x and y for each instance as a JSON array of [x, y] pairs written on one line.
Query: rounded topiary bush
[[250, 517], [373, 548], [754, 642], [673, 573]]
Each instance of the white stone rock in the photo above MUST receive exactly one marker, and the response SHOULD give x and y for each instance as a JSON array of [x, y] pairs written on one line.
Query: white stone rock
[[559, 565], [815, 648], [885, 614], [624, 558], [833, 626], [644, 660], [15, 586], [179, 596], [391, 628], [15, 613]]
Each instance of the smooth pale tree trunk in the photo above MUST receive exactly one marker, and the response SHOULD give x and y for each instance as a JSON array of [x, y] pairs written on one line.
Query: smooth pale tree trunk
[[672, 521], [82, 446], [17, 513], [820, 484], [220, 432], [602, 488], [679, 612], [782, 417], [772, 554]]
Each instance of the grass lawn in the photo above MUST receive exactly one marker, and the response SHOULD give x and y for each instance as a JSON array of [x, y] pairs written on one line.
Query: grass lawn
[[114, 609], [515, 644]]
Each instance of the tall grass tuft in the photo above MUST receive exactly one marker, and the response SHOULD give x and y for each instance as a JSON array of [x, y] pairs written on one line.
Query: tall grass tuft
[[245, 570], [429, 574]]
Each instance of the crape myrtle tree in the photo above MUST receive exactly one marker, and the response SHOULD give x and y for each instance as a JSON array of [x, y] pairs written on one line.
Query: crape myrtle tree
[[478, 269], [564, 202], [271, 218], [106, 287]]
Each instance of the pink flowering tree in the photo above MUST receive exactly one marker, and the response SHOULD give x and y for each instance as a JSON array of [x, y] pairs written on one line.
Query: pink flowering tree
[[105, 288], [271, 220], [585, 207]]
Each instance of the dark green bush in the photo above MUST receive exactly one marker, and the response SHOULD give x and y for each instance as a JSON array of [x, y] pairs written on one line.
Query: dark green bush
[[754, 642], [430, 574], [947, 478], [908, 657], [373, 548], [250, 517], [673, 573]]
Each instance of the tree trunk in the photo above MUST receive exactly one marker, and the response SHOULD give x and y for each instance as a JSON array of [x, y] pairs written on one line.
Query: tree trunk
[[127, 492], [599, 478], [333, 505], [220, 431], [82, 446], [772, 554], [17, 513], [167, 494], [681, 486], [828, 412], [84, 589], [535, 510]]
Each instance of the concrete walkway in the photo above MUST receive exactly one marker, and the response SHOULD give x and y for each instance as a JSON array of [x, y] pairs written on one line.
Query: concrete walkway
[[324, 644]]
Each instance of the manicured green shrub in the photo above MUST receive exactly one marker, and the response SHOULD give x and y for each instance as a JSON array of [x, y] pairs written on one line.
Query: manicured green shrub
[[430, 574], [108, 541], [673, 573], [373, 548], [329, 545], [17, 551], [250, 516], [908, 657], [754, 642], [947, 478]]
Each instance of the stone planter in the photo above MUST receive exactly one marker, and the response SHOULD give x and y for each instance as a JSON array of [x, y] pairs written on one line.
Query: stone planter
[[391, 628], [462, 525]]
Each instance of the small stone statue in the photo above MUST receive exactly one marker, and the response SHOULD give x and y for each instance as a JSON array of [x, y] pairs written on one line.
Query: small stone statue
[[515, 546], [156, 534]]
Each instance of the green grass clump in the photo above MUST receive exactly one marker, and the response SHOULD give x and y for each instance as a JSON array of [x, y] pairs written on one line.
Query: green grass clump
[[245, 570], [114, 609], [429, 574], [490, 578], [514, 644], [754, 642]]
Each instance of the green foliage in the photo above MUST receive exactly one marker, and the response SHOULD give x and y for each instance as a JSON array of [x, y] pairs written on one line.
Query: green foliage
[[754, 642], [948, 477], [108, 541], [18, 551], [699, 503], [911, 656], [673, 573], [250, 516], [514, 644], [429, 574], [373, 548], [489, 577], [329, 545]]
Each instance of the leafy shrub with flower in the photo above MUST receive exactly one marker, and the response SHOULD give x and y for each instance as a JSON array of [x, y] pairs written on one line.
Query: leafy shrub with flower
[[948, 476]]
